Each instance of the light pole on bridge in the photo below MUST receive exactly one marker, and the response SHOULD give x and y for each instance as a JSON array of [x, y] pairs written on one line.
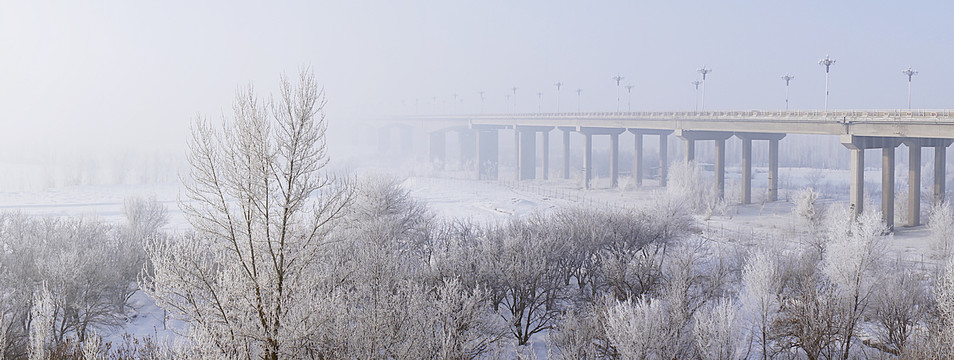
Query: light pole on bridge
[[704, 71], [788, 78], [558, 86], [696, 83], [579, 96], [629, 98], [481, 92], [618, 78], [827, 62], [539, 102], [514, 99], [910, 73]]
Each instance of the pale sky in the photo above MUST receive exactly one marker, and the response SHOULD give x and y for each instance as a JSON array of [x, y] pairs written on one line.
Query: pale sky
[[135, 72]]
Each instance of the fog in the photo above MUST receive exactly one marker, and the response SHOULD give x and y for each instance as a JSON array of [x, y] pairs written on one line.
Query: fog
[[116, 76]]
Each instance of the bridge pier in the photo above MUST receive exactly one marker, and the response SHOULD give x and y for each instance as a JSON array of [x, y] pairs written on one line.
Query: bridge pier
[[468, 148], [566, 151], [747, 139], [546, 154], [588, 153], [526, 165], [488, 153], [857, 145], [914, 174], [940, 172], [719, 137], [638, 166], [437, 149]]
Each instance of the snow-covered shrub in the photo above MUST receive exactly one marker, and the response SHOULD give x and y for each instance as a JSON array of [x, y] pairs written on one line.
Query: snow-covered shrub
[[717, 333], [807, 209], [941, 225], [686, 182], [899, 307], [639, 329], [760, 300], [42, 318]]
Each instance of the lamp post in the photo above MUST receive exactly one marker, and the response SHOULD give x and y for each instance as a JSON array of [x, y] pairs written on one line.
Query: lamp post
[[539, 102], [579, 96], [558, 86], [629, 98], [704, 71], [454, 105], [788, 78], [910, 73], [696, 83], [481, 92], [514, 99], [618, 78], [827, 62]]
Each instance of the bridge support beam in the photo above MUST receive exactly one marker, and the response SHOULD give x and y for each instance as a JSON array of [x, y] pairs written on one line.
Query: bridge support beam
[[614, 160], [914, 184], [747, 139], [719, 137], [587, 159], [488, 153], [940, 171], [887, 185], [437, 149], [858, 145], [566, 152], [663, 158], [527, 167], [468, 149], [546, 154], [638, 160]]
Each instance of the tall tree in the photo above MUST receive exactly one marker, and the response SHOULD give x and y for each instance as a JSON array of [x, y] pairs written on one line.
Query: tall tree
[[262, 206]]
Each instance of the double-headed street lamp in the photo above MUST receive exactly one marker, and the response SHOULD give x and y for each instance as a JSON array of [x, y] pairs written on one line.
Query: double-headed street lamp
[[539, 102], [618, 78], [579, 96], [910, 73], [629, 98], [514, 99], [704, 71], [827, 62], [481, 92], [788, 78], [696, 83], [558, 86]]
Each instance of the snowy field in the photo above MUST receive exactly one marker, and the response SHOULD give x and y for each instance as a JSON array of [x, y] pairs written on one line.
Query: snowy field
[[487, 201]]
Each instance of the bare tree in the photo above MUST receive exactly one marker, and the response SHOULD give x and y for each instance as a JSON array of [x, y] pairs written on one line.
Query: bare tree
[[262, 206]]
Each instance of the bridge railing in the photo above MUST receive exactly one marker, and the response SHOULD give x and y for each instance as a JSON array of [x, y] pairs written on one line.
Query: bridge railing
[[801, 115]]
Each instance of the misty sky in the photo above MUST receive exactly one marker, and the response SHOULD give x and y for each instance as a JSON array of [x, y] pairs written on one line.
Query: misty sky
[[135, 72]]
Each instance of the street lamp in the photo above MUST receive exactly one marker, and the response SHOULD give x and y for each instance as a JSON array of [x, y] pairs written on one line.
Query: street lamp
[[558, 85], [539, 102], [703, 71], [827, 62], [696, 83], [618, 78], [788, 78], [481, 92], [454, 105], [579, 95], [629, 98], [514, 99], [910, 73]]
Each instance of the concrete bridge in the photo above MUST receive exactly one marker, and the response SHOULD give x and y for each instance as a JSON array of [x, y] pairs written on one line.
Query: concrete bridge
[[859, 130]]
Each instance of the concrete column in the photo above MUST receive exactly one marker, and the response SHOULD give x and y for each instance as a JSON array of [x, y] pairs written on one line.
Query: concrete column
[[407, 140], [857, 187], [887, 186], [746, 171], [546, 154], [516, 154], [663, 158], [940, 173], [487, 154], [384, 139], [587, 159], [638, 159], [528, 156], [690, 150], [720, 168], [914, 184], [437, 149], [468, 148], [566, 154], [614, 160], [773, 171]]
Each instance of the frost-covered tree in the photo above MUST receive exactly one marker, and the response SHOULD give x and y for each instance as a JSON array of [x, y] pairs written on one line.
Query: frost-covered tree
[[717, 333], [941, 224], [262, 206], [638, 328], [899, 307], [42, 321], [760, 299], [806, 208]]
